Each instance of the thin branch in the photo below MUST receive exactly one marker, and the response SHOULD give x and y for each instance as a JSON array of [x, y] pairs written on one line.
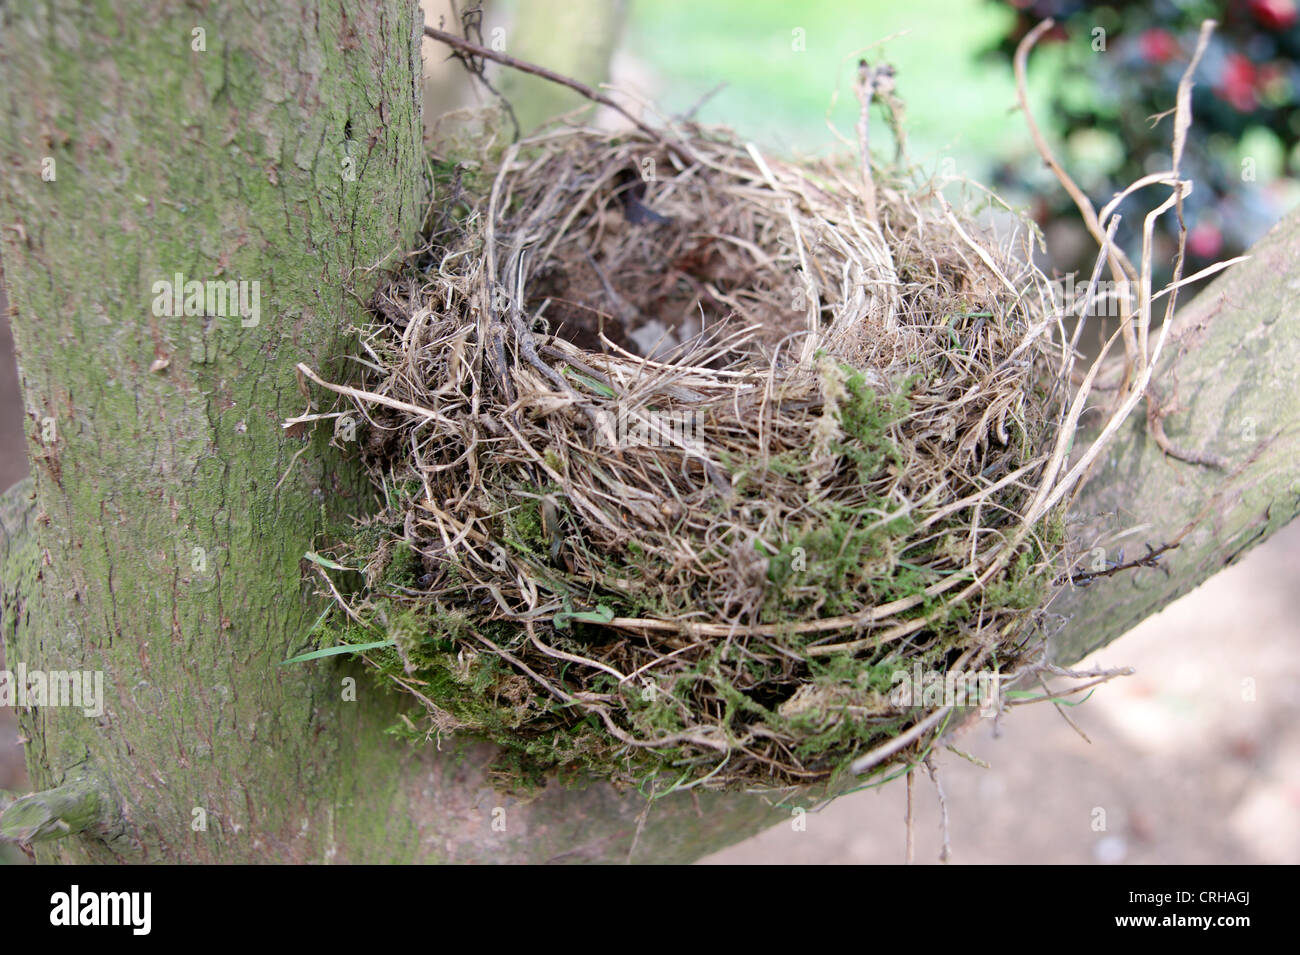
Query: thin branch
[[1151, 559], [945, 854], [871, 81], [505, 59], [1119, 263]]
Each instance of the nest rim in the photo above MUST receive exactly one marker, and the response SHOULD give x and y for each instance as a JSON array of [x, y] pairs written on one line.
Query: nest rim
[[1001, 357]]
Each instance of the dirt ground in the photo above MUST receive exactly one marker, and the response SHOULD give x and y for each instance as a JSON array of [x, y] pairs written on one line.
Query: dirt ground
[[1182, 767]]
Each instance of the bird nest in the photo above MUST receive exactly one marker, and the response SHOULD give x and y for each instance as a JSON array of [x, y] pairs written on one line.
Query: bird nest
[[699, 468]]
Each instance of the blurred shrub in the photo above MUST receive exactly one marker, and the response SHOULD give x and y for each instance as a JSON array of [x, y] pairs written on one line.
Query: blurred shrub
[[1119, 67]]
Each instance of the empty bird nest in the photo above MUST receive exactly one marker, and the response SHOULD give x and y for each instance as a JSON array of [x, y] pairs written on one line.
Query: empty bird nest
[[694, 465]]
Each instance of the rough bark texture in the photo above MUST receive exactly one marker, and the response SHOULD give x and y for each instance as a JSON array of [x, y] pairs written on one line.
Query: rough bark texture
[[154, 436], [280, 145], [1231, 367]]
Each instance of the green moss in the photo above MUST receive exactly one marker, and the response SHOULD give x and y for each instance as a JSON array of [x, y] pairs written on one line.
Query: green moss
[[404, 566], [844, 555], [523, 527], [1020, 587], [866, 418], [840, 559]]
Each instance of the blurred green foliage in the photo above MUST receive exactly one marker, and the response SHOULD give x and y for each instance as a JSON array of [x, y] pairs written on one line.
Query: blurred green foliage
[[782, 62], [1118, 65]]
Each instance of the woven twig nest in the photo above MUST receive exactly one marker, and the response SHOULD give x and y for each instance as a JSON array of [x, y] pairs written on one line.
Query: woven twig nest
[[686, 454]]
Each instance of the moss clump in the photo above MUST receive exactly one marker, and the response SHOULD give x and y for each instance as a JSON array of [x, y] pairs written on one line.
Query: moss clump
[[404, 568], [866, 418]]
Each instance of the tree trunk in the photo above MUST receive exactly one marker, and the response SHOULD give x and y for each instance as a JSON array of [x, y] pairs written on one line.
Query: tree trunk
[[163, 545], [276, 143]]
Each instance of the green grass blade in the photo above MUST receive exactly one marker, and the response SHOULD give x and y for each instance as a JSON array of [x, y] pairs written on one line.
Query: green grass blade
[[335, 651], [316, 558]]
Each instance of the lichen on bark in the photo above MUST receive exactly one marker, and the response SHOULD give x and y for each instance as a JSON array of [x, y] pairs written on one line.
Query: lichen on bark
[[272, 143]]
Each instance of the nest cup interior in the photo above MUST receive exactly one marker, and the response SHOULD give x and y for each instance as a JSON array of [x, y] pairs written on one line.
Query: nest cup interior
[[685, 455]]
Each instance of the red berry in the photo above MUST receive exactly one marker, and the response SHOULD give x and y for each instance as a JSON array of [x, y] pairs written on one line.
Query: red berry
[[1204, 241], [1237, 83], [1275, 14], [1157, 46]]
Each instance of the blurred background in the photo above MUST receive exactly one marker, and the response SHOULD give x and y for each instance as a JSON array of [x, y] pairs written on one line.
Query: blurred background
[[1179, 767]]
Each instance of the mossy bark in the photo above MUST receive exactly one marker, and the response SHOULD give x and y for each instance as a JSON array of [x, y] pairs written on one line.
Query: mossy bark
[[276, 143], [78, 805], [1230, 369], [162, 541]]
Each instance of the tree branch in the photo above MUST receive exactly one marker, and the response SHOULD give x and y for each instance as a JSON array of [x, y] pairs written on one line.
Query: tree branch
[[1236, 356]]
